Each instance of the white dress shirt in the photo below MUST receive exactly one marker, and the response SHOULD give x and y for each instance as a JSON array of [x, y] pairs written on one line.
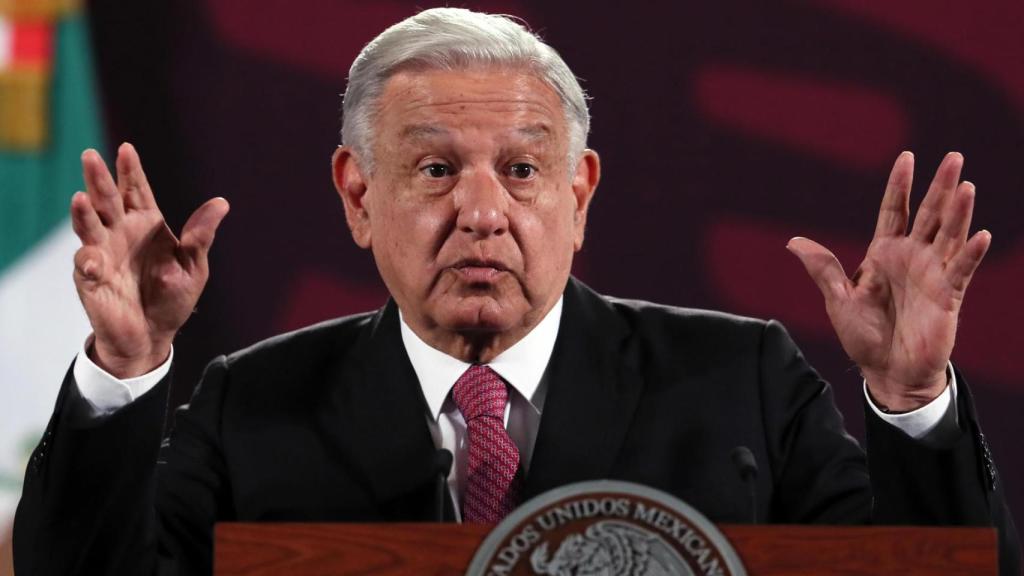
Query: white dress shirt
[[522, 366]]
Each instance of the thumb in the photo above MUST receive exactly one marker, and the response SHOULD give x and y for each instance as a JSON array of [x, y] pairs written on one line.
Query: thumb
[[822, 265], [197, 235]]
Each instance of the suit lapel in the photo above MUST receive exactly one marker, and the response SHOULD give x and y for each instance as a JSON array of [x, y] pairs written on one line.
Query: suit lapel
[[377, 415], [592, 394]]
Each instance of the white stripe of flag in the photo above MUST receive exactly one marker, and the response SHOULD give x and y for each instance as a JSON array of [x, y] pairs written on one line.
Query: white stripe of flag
[[6, 42]]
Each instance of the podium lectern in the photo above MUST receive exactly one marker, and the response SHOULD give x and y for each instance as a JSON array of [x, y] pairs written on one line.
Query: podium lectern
[[446, 549]]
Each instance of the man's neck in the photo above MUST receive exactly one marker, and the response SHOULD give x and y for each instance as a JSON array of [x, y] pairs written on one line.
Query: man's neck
[[476, 347]]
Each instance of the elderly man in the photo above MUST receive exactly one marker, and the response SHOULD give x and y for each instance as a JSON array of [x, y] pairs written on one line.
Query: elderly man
[[464, 170]]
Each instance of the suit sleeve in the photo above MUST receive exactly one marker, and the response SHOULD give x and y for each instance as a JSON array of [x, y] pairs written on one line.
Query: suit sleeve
[[106, 496], [819, 471], [952, 484]]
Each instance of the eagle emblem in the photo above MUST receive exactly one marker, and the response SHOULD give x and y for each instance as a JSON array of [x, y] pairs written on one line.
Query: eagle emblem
[[610, 548]]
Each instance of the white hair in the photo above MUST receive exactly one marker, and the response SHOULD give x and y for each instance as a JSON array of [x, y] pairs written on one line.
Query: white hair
[[455, 39]]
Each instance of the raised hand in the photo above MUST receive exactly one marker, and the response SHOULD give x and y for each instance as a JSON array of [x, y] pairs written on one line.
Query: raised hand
[[897, 315], [137, 281]]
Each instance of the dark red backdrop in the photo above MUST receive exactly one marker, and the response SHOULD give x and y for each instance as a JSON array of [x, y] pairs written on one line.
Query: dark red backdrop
[[725, 128]]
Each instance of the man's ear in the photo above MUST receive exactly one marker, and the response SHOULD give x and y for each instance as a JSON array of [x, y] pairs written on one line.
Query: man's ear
[[351, 186], [584, 183]]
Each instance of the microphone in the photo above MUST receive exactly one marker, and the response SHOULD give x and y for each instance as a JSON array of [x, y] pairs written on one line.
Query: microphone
[[442, 467], [746, 466]]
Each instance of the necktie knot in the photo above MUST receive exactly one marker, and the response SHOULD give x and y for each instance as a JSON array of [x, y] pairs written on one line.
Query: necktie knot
[[480, 392]]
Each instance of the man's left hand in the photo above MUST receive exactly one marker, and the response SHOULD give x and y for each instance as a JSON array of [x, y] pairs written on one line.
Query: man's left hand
[[896, 316]]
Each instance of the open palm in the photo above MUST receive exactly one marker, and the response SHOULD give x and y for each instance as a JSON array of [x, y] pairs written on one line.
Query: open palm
[[137, 281], [897, 315]]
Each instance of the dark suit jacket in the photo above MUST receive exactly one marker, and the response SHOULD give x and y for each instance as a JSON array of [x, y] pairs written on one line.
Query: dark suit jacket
[[329, 424]]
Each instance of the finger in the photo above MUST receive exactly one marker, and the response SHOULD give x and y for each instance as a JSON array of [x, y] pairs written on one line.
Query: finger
[[85, 222], [823, 267], [965, 263], [103, 193], [89, 262], [929, 215], [198, 233], [895, 210], [956, 220], [132, 180]]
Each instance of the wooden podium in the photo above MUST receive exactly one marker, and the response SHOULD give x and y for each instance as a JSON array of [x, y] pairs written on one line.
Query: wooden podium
[[446, 549]]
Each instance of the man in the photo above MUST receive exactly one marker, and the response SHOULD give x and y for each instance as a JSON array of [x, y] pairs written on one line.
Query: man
[[465, 171]]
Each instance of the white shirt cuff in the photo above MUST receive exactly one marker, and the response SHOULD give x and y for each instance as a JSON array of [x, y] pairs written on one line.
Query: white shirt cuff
[[932, 423], [106, 393]]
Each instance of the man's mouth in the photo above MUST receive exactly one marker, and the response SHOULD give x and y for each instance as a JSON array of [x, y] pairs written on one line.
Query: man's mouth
[[475, 270]]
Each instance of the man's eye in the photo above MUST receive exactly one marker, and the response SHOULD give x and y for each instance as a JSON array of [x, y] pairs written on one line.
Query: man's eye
[[521, 171], [437, 170]]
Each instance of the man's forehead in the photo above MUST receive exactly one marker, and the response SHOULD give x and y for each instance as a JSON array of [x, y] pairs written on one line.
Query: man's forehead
[[538, 131], [425, 102]]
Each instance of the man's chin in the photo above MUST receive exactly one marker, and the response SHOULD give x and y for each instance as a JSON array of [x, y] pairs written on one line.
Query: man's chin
[[482, 315]]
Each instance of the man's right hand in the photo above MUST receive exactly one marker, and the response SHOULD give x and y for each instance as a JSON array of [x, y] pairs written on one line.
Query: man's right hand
[[137, 281]]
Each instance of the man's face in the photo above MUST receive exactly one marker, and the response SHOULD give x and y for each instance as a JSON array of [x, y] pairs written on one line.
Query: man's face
[[472, 210]]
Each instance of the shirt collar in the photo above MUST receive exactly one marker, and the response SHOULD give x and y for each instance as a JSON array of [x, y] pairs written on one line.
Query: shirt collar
[[522, 365]]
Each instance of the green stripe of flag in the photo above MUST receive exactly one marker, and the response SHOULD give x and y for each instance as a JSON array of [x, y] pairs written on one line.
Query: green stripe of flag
[[36, 186]]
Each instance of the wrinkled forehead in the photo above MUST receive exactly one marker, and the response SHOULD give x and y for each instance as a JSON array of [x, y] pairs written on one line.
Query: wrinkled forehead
[[431, 104], [413, 133]]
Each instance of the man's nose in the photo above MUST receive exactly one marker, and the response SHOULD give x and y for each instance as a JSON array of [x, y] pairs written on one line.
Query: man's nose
[[482, 204]]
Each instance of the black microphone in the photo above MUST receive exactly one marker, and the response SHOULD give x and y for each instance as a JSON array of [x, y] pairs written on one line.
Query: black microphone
[[442, 467], [746, 466]]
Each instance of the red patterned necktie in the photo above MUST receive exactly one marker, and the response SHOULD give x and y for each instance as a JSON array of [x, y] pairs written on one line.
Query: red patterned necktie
[[491, 487]]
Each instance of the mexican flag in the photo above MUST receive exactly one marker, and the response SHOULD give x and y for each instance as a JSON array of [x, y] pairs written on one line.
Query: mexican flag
[[48, 115]]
